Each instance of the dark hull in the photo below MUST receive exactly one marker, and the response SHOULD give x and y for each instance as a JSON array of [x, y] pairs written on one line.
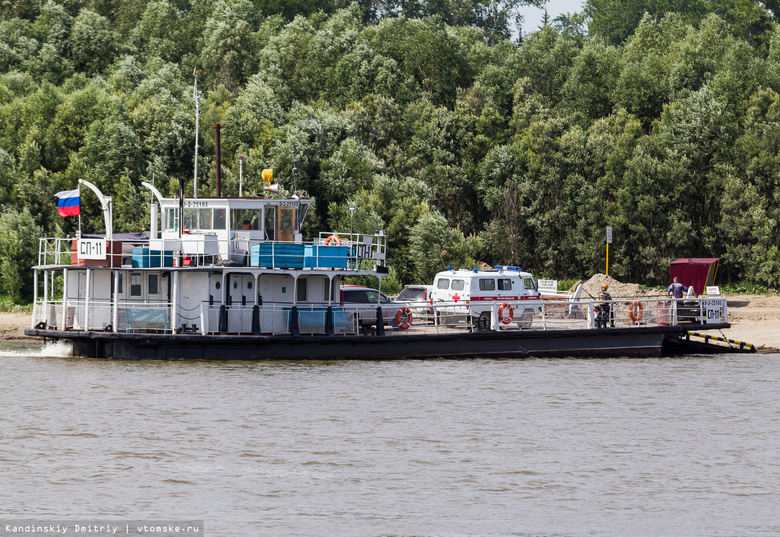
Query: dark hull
[[624, 342]]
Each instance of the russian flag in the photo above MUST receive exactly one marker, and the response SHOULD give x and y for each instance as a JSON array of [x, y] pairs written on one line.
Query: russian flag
[[68, 202]]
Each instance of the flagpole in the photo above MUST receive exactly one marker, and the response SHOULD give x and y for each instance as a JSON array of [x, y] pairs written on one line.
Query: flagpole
[[79, 187]]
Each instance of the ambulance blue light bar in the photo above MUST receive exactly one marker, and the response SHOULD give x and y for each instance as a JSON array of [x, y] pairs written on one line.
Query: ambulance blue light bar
[[502, 267]]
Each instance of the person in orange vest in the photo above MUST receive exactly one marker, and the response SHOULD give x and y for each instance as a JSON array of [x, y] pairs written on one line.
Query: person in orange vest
[[677, 289]]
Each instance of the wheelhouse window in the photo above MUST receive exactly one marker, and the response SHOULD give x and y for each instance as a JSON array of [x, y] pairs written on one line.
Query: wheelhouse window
[[190, 219], [269, 225], [219, 219], [245, 219], [286, 223], [172, 219], [204, 219]]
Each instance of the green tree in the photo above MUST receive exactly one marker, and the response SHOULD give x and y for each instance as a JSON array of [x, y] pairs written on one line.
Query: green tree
[[616, 20], [434, 246], [18, 252], [92, 42]]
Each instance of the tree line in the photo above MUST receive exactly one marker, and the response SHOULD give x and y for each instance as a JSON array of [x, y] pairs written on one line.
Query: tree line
[[659, 119]]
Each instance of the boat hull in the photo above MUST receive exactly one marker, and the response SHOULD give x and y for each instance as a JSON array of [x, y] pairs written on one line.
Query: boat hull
[[623, 342]]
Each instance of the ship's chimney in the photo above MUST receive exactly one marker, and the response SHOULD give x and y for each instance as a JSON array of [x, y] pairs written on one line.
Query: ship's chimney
[[217, 127]]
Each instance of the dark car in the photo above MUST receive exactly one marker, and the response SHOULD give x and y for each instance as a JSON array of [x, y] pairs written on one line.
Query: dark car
[[368, 300]]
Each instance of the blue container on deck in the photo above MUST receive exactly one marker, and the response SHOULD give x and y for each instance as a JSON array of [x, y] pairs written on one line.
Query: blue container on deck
[[146, 258], [318, 256], [276, 254]]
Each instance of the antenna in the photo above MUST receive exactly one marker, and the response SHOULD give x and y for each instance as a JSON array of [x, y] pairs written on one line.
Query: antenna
[[240, 174], [295, 184], [196, 97]]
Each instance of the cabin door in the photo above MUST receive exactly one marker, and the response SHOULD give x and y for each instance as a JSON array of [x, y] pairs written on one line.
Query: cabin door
[[241, 293], [285, 224]]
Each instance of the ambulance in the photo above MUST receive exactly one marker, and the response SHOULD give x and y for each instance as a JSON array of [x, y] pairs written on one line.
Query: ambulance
[[473, 294]]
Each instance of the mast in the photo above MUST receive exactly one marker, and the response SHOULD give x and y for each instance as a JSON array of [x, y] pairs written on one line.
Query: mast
[[196, 97]]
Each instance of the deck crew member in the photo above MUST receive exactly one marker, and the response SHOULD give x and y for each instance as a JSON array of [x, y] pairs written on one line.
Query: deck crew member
[[606, 308], [676, 288]]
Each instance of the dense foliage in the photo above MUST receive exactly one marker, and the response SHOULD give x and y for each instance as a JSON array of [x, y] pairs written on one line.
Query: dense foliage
[[662, 121]]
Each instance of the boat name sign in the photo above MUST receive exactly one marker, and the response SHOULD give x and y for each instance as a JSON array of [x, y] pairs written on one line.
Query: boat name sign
[[713, 310], [92, 249]]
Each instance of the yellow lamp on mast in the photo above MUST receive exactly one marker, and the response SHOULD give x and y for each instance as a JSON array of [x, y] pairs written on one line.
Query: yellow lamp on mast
[[268, 177]]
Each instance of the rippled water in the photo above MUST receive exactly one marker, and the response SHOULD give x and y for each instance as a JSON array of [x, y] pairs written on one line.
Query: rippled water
[[653, 447]]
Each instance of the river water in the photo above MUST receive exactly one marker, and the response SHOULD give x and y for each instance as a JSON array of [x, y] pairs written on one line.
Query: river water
[[538, 447]]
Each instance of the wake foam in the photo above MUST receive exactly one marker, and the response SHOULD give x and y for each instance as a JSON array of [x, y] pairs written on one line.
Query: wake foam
[[60, 349]]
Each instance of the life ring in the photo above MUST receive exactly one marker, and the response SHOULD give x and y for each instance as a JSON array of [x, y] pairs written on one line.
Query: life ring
[[333, 239], [510, 313], [403, 318], [635, 310]]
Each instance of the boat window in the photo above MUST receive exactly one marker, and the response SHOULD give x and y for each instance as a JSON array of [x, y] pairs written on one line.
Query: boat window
[[443, 283], [190, 219], [219, 219], [204, 218], [286, 219], [172, 220], [301, 289], [154, 284], [135, 284], [487, 284], [504, 284], [245, 219], [529, 283], [270, 218], [120, 285], [458, 285]]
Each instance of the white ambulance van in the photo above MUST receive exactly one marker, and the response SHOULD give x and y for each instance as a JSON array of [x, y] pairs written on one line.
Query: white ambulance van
[[473, 292]]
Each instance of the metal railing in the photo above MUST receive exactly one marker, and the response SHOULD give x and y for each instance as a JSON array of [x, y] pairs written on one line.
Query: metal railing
[[358, 252], [277, 318]]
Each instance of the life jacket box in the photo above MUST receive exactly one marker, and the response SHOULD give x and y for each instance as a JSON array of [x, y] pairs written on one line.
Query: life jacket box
[[319, 256], [277, 255], [147, 258], [113, 256]]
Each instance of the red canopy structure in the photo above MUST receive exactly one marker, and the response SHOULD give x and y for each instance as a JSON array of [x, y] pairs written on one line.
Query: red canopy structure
[[698, 272]]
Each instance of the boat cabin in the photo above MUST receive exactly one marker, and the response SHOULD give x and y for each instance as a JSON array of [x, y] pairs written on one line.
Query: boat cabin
[[215, 265]]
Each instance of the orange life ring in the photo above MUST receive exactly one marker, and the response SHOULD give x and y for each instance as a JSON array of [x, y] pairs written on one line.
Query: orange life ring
[[510, 313], [333, 239], [635, 310], [403, 318]]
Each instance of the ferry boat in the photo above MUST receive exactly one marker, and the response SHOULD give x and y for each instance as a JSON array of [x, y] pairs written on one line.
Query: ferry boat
[[234, 278]]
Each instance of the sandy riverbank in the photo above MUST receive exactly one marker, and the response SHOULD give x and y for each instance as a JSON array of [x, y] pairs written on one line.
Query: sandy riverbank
[[754, 319]]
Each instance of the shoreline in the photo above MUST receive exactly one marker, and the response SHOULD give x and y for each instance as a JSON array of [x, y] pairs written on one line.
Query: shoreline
[[754, 319]]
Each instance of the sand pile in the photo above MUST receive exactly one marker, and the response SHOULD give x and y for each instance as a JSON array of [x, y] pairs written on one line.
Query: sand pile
[[617, 289]]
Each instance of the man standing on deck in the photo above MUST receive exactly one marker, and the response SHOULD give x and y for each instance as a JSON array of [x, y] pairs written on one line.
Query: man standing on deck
[[677, 289], [606, 308]]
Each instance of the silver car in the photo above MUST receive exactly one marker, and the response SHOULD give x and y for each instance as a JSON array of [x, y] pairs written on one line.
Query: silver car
[[368, 300]]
